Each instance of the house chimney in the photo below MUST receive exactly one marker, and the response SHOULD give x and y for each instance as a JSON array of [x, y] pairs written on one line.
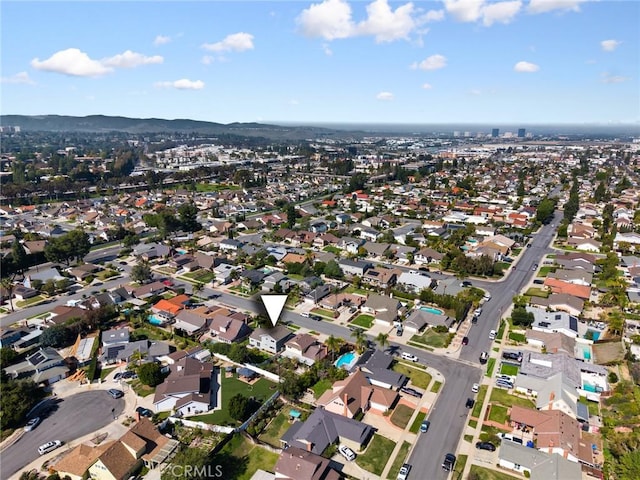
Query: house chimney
[[552, 397], [137, 416], [309, 446], [344, 398]]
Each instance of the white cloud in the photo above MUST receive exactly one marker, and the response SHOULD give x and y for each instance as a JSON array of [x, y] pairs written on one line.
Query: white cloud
[[384, 96], [475, 91], [610, 45], [502, 12], [464, 10], [433, 16], [19, 78], [71, 61], [608, 78], [326, 49], [131, 59], [387, 25], [182, 84], [330, 20], [526, 67], [207, 60], [543, 6], [427, 86], [434, 62], [161, 40], [236, 42]]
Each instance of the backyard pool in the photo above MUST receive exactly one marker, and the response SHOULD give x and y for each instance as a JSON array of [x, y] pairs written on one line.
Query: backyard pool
[[435, 311], [347, 360], [595, 333], [586, 352], [153, 320]]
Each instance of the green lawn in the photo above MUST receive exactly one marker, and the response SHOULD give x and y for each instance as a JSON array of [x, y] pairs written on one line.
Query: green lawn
[[489, 474], [276, 428], [323, 312], [215, 187], [375, 457], [544, 271], [419, 378], [201, 276], [477, 407], [231, 386], [399, 460], [498, 414], [240, 459], [501, 396], [517, 337], [507, 369], [473, 423], [401, 415], [490, 366], [29, 301], [461, 461], [435, 388], [321, 387], [501, 330], [433, 339], [331, 249], [106, 371], [364, 321], [537, 292], [468, 438], [140, 389], [415, 426]]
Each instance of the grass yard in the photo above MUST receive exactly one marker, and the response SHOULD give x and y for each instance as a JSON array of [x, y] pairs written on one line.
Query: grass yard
[[321, 387], [435, 388], [106, 371], [461, 461], [482, 473], [375, 457], [201, 276], [433, 339], [364, 321], [477, 407], [29, 301], [140, 389], [231, 386], [401, 415], [473, 423], [490, 366], [537, 292], [399, 460], [240, 459], [215, 187], [503, 398], [323, 312], [498, 414], [468, 438], [419, 378], [544, 271], [415, 426], [331, 249], [507, 369], [517, 337], [276, 428]]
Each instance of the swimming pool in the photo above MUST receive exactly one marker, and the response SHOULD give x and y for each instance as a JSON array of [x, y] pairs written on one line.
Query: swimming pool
[[153, 320], [347, 360], [595, 333], [586, 352], [435, 311]]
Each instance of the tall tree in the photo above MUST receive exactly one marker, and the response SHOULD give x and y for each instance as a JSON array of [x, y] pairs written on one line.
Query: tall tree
[[8, 287], [333, 345], [383, 340], [19, 256], [141, 272]]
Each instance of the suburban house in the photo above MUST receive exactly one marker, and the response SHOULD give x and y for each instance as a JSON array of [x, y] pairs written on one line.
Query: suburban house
[[384, 309], [115, 336], [414, 281], [270, 339], [227, 329], [166, 311], [323, 428], [561, 302], [577, 277], [190, 322], [553, 322], [305, 348], [354, 267], [357, 394], [187, 388], [418, 319], [298, 464], [425, 256], [44, 366], [539, 465], [381, 277], [141, 445], [376, 366], [560, 286]]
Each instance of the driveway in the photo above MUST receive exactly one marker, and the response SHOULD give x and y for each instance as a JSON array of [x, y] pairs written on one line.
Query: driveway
[[75, 416]]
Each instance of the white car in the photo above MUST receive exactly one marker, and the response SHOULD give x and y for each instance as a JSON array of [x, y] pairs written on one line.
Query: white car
[[347, 453], [49, 447], [409, 356], [403, 474], [492, 334], [475, 388], [305, 314]]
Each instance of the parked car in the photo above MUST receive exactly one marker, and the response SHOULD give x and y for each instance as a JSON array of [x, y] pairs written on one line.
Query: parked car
[[465, 340], [403, 474], [470, 403], [409, 356], [486, 446], [492, 334], [484, 356], [347, 453], [511, 438], [475, 388], [424, 426], [466, 283], [31, 424], [115, 393], [317, 318], [117, 376], [449, 462], [304, 314], [411, 391], [129, 374], [144, 412], [49, 447]]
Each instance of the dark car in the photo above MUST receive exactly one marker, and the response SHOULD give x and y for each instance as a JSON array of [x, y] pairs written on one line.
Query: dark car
[[115, 393], [465, 283], [470, 403], [449, 462], [117, 376], [129, 374], [465, 341], [486, 446], [411, 391], [144, 412], [424, 426]]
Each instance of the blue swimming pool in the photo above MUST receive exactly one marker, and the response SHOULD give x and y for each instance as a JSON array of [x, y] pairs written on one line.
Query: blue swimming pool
[[595, 333], [435, 311], [346, 360], [153, 320]]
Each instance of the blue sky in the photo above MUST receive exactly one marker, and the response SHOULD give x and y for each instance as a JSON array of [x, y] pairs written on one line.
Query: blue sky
[[451, 61]]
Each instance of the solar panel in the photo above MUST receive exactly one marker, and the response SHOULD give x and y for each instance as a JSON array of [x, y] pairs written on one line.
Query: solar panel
[[36, 358]]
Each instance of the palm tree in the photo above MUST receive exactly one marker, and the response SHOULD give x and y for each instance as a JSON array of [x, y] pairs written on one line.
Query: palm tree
[[8, 286], [383, 340], [361, 340], [197, 288], [333, 345]]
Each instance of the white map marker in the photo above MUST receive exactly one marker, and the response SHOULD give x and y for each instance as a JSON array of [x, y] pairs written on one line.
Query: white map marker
[[274, 305]]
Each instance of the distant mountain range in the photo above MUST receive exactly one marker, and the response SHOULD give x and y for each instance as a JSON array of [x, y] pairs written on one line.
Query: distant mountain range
[[104, 123]]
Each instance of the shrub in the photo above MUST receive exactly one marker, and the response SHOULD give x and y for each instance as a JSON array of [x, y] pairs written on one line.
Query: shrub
[[613, 378]]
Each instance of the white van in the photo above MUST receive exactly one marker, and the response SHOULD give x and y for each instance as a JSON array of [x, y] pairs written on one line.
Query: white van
[[49, 447]]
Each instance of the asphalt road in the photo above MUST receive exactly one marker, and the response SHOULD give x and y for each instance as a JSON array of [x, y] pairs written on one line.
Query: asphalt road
[[76, 415]]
